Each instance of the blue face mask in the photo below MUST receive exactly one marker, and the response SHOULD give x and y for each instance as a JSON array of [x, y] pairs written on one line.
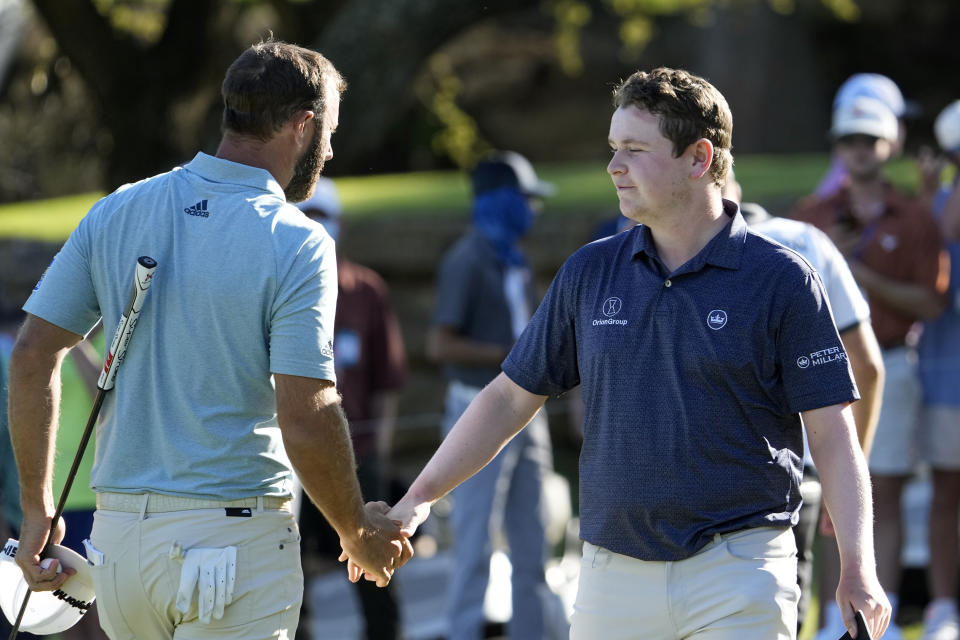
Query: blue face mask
[[503, 216]]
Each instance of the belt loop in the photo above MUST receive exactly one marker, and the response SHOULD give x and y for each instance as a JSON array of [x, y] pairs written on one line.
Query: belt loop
[[259, 504], [144, 500]]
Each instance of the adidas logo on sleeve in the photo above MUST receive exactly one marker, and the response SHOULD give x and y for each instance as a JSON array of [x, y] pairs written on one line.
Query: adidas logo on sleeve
[[199, 210]]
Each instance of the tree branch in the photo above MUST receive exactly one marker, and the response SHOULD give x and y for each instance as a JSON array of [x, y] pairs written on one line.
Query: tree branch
[[381, 47]]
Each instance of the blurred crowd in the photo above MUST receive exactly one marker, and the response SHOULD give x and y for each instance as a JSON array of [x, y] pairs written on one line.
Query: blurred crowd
[[900, 325]]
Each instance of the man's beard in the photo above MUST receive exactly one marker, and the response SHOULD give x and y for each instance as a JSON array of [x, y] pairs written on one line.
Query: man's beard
[[307, 171]]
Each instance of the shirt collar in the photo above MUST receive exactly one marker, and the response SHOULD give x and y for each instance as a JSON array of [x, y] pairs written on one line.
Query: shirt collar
[[220, 170], [723, 250]]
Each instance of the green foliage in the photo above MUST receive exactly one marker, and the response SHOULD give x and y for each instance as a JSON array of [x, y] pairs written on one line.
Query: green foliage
[[145, 20], [437, 91], [50, 142], [637, 21], [570, 17], [845, 10]]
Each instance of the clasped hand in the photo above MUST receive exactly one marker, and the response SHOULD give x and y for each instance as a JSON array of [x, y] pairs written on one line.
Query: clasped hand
[[380, 549]]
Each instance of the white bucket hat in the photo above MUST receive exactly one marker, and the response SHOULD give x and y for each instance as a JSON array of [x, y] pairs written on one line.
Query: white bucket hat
[[872, 85], [864, 116], [47, 612]]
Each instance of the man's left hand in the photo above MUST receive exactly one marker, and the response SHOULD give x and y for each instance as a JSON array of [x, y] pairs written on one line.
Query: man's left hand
[[33, 538], [860, 590]]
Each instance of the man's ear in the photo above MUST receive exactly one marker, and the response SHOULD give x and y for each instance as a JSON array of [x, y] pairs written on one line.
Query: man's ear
[[701, 153], [300, 121]]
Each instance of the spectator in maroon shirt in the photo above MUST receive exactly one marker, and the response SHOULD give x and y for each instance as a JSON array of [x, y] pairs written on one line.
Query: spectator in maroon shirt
[[371, 367]]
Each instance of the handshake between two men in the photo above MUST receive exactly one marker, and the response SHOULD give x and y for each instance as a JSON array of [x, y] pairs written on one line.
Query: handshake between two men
[[378, 553]]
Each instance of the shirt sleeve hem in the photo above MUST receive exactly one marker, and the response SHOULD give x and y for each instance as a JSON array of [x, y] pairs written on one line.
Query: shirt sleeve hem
[[524, 381], [65, 322], [818, 401], [303, 369]]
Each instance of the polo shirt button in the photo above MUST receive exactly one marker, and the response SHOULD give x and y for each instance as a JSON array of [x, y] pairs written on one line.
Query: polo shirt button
[[668, 284]]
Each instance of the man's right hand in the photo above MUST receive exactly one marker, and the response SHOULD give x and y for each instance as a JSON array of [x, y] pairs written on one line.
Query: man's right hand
[[379, 548], [409, 514]]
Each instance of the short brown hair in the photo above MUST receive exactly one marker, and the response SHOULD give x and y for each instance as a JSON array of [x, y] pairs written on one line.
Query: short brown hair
[[689, 108], [270, 82]]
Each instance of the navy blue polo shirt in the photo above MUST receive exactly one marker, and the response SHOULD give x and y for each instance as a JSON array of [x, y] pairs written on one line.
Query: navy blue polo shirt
[[692, 383]]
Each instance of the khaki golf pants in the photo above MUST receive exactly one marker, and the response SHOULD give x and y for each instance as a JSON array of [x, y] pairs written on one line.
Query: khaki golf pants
[[142, 539], [741, 586]]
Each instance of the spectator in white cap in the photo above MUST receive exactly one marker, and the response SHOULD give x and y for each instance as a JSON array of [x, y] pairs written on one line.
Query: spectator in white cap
[[895, 251], [324, 206], [939, 366], [877, 87]]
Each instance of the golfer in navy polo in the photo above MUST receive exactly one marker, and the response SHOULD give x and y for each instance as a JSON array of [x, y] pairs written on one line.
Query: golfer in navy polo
[[698, 346]]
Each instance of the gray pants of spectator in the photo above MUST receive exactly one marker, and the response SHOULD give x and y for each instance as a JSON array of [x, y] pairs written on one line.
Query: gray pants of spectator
[[508, 493]]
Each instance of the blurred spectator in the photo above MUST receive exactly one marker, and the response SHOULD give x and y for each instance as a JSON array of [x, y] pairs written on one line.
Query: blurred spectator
[[611, 226], [484, 300], [851, 314], [877, 87], [371, 367], [78, 382], [894, 249], [939, 365]]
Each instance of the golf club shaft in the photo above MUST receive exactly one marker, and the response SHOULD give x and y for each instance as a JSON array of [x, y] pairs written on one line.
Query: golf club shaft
[[143, 276]]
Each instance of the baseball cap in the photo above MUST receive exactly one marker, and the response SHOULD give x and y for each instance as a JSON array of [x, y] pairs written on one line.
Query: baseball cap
[[865, 116], [47, 611], [508, 169], [947, 127], [876, 86], [325, 198]]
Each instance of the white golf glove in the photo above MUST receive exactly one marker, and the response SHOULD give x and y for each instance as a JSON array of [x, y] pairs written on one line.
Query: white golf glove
[[213, 572]]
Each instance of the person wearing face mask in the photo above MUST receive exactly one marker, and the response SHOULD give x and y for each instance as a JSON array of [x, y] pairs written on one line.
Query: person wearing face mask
[[484, 299], [371, 367]]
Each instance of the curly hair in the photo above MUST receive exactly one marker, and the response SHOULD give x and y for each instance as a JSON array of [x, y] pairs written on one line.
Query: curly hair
[[689, 108], [270, 82]]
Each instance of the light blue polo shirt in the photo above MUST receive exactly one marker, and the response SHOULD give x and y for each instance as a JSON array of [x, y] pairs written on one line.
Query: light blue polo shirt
[[692, 383], [245, 286]]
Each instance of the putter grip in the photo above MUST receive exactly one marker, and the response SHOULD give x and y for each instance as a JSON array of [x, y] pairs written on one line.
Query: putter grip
[[142, 278]]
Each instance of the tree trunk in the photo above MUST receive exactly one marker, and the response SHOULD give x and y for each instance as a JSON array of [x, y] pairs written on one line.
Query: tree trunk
[[380, 47], [152, 98]]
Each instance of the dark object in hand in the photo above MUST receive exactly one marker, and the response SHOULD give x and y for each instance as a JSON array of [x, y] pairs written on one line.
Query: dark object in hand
[[862, 632]]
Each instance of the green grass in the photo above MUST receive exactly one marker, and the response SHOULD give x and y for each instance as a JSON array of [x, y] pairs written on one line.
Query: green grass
[[581, 187], [51, 219]]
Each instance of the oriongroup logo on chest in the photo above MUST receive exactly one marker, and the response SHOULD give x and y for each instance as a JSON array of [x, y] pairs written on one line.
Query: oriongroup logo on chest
[[610, 308]]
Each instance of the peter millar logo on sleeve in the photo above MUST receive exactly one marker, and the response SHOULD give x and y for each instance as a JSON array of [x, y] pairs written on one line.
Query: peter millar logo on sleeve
[[199, 210], [610, 308], [822, 357]]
